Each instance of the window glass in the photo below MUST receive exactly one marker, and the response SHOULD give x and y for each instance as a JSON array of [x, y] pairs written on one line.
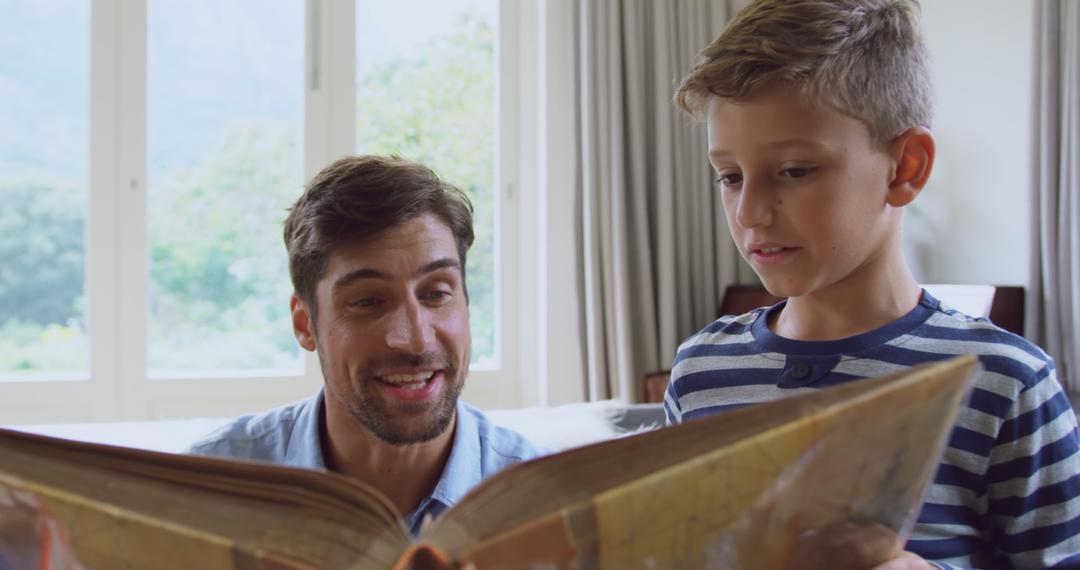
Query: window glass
[[44, 184], [426, 85], [224, 152]]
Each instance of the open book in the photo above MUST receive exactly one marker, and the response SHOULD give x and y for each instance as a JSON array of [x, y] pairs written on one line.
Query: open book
[[743, 489]]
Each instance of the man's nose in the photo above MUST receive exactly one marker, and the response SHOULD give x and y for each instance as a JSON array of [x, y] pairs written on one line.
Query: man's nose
[[755, 206], [409, 330]]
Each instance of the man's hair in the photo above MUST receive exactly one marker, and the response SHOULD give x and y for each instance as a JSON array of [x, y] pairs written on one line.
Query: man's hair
[[865, 58], [357, 198]]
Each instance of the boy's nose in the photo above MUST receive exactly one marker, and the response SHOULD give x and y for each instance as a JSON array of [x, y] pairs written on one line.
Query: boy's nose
[[755, 206], [409, 330]]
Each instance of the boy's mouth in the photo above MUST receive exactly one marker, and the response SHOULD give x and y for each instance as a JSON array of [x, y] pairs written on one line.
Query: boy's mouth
[[772, 253]]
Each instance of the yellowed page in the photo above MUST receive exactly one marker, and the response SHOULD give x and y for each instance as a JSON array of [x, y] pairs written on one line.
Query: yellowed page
[[130, 509], [861, 453], [866, 461]]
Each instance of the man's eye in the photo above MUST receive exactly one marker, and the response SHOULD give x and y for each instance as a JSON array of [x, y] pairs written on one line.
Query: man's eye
[[438, 295], [365, 302]]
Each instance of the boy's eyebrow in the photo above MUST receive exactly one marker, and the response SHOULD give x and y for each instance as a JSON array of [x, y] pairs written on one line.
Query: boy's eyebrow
[[716, 153], [367, 273]]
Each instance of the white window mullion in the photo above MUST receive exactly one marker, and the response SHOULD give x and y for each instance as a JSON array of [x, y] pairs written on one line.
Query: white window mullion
[[513, 382], [102, 259], [329, 97], [128, 199], [330, 85]]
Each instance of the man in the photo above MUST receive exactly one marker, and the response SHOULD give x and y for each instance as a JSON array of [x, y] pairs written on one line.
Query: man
[[377, 251]]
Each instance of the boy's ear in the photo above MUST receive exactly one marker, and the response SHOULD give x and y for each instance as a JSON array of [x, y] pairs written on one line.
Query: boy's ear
[[913, 154], [302, 323]]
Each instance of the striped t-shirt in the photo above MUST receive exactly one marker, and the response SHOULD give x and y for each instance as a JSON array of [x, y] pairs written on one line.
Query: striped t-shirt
[[1007, 494]]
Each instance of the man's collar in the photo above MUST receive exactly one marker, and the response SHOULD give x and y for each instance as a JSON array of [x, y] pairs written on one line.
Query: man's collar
[[462, 471], [460, 474], [304, 448]]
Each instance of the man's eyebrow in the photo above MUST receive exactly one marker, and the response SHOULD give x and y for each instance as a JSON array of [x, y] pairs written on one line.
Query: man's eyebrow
[[366, 273], [444, 263], [358, 275]]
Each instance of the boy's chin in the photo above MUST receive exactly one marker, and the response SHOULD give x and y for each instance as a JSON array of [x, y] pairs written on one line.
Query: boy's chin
[[788, 290], [780, 289]]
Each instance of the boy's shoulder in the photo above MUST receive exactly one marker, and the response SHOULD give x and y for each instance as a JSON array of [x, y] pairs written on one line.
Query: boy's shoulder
[[728, 328], [949, 331], [932, 331], [727, 336]]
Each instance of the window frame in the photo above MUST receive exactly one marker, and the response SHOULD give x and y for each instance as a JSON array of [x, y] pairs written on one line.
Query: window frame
[[119, 386]]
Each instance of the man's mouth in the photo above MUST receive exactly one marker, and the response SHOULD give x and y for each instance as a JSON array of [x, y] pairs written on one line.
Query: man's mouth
[[413, 381]]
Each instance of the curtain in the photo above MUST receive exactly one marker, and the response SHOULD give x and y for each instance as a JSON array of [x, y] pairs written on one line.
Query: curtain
[[1054, 311], [655, 247]]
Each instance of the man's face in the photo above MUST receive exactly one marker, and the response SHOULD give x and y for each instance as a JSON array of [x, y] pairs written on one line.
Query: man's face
[[804, 190], [392, 330]]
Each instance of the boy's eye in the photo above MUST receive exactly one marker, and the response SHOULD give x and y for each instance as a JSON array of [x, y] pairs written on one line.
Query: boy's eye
[[365, 302], [797, 172], [729, 179]]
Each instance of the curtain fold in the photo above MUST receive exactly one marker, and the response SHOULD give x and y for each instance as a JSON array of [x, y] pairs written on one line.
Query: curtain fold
[[655, 248], [1054, 300]]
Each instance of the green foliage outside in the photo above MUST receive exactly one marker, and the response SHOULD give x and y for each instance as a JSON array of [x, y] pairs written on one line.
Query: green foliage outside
[[42, 327], [219, 286], [219, 283], [438, 108]]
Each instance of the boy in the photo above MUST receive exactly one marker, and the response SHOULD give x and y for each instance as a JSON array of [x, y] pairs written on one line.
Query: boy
[[818, 115]]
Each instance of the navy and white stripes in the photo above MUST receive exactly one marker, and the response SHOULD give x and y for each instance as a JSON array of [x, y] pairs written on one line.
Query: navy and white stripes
[[1007, 494]]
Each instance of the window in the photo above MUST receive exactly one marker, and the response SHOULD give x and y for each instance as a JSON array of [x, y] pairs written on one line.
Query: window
[[44, 179], [224, 161], [156, 147], [426, 91]]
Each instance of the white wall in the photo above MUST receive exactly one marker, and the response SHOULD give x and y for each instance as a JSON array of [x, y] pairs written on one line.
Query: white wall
[[971, 223]]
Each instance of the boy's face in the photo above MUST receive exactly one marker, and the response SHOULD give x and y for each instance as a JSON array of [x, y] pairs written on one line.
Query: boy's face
[[804, 191]]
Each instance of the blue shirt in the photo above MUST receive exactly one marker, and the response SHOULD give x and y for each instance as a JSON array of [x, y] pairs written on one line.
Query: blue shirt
[[289, 435]]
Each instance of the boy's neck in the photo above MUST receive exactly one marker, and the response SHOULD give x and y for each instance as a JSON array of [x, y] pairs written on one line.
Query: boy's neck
[[850, 307]]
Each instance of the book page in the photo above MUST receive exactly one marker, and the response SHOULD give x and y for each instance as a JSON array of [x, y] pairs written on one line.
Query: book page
[[711, 490], [128, 508]]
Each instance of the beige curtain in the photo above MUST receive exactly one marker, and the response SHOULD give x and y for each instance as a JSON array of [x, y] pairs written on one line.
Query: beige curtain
[[1054, 312], [656, 251]]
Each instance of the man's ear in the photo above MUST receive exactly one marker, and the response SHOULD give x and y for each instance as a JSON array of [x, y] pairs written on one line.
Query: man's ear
[[913, 154], [303, 323]]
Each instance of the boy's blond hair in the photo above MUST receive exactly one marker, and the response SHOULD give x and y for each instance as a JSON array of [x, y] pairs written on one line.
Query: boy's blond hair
[[865, 58]]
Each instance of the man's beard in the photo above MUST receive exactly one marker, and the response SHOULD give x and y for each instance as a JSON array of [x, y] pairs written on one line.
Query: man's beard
[[405, 423]]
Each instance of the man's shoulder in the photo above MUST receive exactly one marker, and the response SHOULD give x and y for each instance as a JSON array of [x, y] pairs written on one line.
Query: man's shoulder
[[262, 436], [501, 446]]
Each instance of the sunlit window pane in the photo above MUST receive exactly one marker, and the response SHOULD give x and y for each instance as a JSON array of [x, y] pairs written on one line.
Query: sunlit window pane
[[225, 88], [425, 79], [44, 183]]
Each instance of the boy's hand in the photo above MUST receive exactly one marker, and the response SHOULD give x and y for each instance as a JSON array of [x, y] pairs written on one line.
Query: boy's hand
[[906, 561], [850, 546], [846, 546]]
